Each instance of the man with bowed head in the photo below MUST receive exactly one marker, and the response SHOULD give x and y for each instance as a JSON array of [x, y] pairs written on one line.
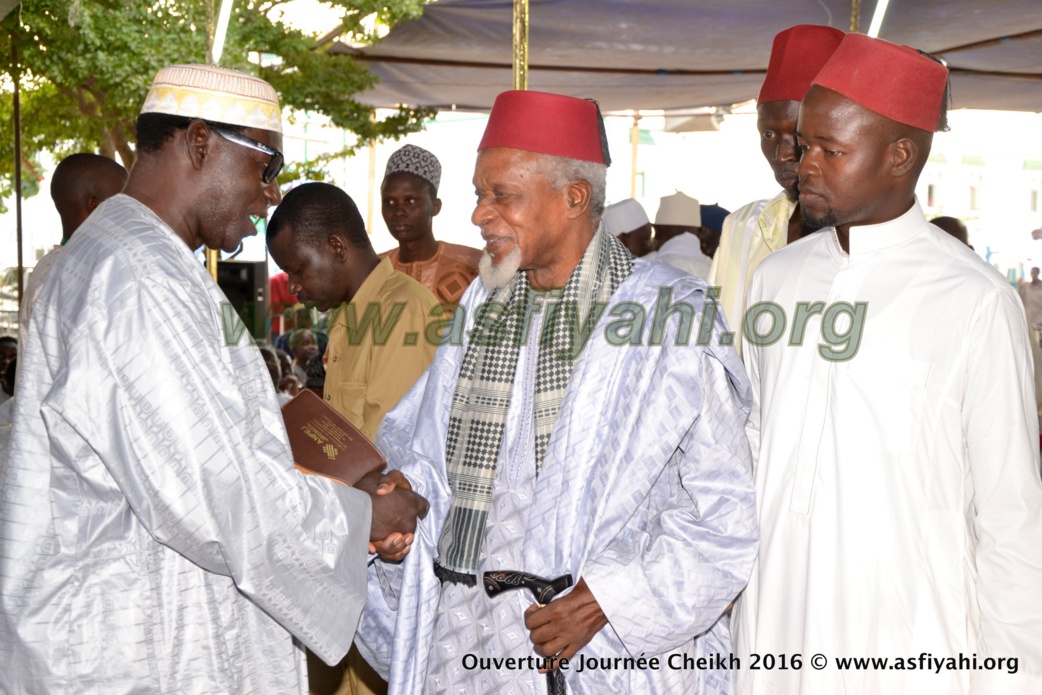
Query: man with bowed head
[[319, 238], [155, 534], [898, 477], [619, 462], [755, 230]]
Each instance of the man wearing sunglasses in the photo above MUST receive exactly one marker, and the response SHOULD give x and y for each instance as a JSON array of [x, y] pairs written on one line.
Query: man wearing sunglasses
[[274, 165], [155, 535]]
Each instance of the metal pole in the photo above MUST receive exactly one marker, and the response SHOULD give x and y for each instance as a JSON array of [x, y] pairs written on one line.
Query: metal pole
[[634, 141], [213, 256], [855, 16], [372, 184], [225, 15], [15, 72], [520, 44], [211, 29]]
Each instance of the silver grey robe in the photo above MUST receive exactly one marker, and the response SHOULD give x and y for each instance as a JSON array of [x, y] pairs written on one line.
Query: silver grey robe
[[154, 535], [645, 492]]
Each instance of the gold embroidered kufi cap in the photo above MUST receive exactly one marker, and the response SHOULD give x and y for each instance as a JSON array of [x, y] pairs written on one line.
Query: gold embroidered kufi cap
[[214, 94]]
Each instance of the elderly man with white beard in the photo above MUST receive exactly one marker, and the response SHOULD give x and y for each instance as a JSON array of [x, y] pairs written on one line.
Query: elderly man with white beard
[[570, 427]]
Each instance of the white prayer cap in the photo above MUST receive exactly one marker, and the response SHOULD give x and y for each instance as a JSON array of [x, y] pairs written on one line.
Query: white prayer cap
[[679, 210], [624, 216], [214, 94]]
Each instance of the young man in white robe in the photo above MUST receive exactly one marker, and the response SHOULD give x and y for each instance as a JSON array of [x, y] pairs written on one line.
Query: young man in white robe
[[154, 534], [893, 427], [621, 462]]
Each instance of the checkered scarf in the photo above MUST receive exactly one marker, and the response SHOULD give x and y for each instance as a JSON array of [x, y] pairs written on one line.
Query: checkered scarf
[[479, 406]]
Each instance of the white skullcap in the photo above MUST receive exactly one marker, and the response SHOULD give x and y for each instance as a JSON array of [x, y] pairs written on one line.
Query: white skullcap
[[624, 216], [214, 94], [679, 210]]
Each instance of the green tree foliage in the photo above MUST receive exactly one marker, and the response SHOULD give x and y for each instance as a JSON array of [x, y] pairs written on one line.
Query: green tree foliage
[[86, 65]]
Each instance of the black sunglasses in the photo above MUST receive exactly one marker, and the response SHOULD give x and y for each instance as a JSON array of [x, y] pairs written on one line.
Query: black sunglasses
[[274, 164]]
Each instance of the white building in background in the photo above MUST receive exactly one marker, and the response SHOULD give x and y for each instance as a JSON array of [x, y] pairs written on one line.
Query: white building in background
[[988, 172]]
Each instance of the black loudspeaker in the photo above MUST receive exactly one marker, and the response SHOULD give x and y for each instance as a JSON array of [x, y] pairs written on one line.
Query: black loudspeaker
[[245, 283]]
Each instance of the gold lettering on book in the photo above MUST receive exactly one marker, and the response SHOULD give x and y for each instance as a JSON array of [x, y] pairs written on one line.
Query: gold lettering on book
[[328, 435], [313, 435], [325, 443]]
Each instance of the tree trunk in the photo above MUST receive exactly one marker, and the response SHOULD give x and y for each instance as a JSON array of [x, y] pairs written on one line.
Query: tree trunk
[[106, 149], [126, 152]]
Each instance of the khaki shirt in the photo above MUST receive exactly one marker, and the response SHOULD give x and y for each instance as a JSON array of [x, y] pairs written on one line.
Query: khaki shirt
[[378, 346]]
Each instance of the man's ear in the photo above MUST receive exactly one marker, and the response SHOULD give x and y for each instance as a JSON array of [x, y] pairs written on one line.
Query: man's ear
[[904, 157], [92, 202], [197, 139], [436, 207], [338, 247], [578, 194]]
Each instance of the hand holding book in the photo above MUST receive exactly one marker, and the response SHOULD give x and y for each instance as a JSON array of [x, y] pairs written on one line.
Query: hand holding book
[[326, 444]]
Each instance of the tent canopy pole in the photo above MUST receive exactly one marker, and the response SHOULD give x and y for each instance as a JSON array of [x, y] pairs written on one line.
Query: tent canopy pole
[[520, 44], [16, 72]]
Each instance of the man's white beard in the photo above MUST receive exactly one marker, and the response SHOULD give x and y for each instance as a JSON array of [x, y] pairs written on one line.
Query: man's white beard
[[494, 277]]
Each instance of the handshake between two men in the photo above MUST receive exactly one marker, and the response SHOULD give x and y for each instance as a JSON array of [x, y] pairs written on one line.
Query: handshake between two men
[[396, 509]]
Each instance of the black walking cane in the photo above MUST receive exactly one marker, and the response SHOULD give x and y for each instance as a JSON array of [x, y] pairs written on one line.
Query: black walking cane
[[545, 591]]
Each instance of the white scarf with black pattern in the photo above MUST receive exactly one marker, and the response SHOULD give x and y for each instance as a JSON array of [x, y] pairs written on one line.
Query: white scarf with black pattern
[[479, 406]]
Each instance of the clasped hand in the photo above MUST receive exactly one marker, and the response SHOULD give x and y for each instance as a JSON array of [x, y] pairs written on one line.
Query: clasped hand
[[396, 509], [564, 626]]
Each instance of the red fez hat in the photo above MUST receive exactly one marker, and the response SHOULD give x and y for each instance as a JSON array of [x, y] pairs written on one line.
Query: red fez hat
[[895, 81], [796, 57], [548, 124]]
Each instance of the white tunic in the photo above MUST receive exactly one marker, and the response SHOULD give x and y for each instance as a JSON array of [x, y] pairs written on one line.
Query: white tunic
[[684, 251], [899, 493], [154, 535], [644, 492], [33, 286]]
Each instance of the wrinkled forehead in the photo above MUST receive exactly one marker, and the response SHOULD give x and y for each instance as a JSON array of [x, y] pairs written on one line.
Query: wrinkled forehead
[[506, 164]]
